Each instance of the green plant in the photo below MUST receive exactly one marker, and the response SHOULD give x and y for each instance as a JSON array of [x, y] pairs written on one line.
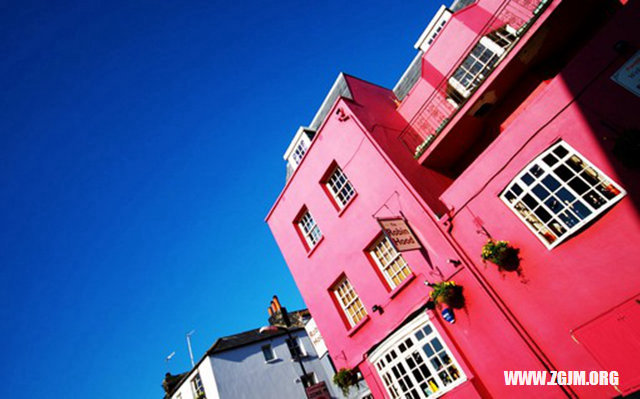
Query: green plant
[[449, 293], [502, 254], [423, 147], [345, 379]]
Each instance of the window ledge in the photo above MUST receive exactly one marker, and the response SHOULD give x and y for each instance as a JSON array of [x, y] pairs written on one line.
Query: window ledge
[[402, 285], [344, 208], [312, 250], [358, 326], [272, 361]]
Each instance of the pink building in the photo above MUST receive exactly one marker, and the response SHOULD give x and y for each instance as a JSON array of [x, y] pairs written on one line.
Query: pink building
[[518, 121]]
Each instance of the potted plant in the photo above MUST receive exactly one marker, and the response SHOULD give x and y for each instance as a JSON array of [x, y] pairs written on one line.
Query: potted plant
[[502, 254], [423, 147], [345, 379], [448, 293]]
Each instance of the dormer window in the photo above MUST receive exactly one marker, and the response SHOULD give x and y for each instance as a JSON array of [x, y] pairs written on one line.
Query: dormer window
[[297, 149], [299, 152]]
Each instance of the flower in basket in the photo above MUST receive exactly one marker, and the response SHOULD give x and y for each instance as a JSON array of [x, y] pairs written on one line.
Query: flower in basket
[[501, 253], [448, 293]]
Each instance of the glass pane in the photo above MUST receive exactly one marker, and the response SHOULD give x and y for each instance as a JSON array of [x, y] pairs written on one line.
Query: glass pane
[[580, 209], [540, 191], [550, 183], [527, 178], [517, 190], [560, 151], [563, 172], [554, 204], [550, 160], [578, 185]]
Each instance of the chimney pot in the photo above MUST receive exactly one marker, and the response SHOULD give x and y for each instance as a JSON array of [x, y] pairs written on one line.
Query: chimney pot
[[276, 302]]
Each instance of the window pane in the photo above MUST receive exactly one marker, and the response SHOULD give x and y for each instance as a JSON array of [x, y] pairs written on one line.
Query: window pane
[[391, 263], [565, 197]]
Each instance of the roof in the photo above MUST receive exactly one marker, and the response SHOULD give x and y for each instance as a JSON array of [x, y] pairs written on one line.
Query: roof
[[253, 336], [243, 339]]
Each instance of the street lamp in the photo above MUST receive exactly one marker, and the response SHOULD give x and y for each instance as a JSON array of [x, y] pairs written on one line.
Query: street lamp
[[274, 329]]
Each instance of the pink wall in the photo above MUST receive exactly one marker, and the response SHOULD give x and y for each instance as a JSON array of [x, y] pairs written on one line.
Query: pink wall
[[481, 339], [511, 322], [595, 270]]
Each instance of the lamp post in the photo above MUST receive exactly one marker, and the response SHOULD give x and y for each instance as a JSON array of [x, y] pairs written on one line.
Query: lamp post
[[272, 329], [189, 334]]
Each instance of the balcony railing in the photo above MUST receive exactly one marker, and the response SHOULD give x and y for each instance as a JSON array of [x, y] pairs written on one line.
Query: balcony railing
[[505, 27]]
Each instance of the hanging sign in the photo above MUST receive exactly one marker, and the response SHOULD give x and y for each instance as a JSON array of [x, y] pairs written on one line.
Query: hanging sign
[[318, 391], [400, 234], [629, 75], [316, 338]]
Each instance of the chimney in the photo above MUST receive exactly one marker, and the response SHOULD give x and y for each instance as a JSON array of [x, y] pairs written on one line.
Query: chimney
[[276, 302], [277, 314]]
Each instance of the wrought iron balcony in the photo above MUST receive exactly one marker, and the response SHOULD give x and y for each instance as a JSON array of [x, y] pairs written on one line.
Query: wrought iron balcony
[[499, 35]]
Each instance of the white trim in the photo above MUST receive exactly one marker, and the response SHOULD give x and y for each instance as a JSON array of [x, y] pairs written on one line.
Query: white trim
[[316, 119], [300, 135], [335, 187], [349, 287], [497, 51], [443, 13], [396, 256], [308, 226], [421, 335], [567, 208]]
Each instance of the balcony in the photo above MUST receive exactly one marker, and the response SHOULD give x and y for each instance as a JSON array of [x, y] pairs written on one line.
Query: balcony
[[457, 90]]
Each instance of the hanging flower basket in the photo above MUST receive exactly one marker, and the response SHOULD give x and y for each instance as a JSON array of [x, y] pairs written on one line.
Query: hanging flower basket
[[448, 293], [502, 254], [345, 379]]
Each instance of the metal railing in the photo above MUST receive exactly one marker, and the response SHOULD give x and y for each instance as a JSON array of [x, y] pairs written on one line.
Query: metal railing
[[442, 105]]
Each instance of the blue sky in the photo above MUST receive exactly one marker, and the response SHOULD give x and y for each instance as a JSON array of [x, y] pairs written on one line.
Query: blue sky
[[140, 150]]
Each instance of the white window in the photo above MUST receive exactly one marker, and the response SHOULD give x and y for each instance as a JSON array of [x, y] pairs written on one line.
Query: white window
[[415, 362], [268, 353], [559, 192], [349, 302], [340, 187], [179, 396], [309, 229], [392, 265], [299, 152], [296, 349], [479, 63], [197, 387]]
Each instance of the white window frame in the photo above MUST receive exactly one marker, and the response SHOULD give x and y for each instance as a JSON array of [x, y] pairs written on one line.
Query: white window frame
[[390, 257], [295, 344], [339, 184], [476, 79], [298, 148], [268, 347], [309, 229], [567, 211], [299, 151], [198, 389], [428, 349], [347, 296]]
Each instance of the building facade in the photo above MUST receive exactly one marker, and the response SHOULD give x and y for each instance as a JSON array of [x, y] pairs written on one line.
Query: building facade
[[521, 126], [267, 362]]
